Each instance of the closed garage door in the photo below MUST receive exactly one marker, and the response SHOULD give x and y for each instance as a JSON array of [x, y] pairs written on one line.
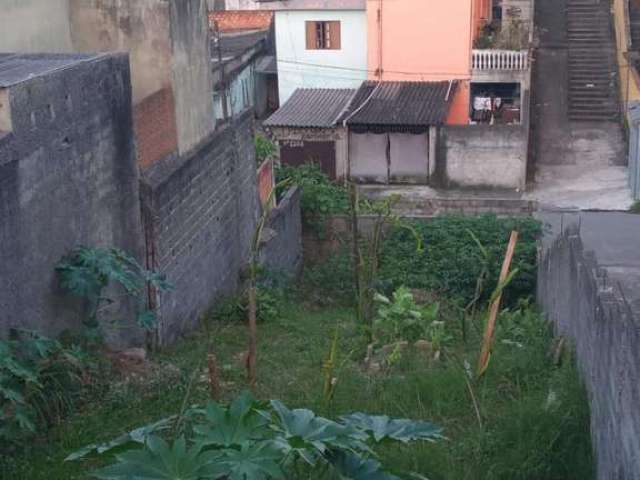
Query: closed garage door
[[296, 153], [389, 158]]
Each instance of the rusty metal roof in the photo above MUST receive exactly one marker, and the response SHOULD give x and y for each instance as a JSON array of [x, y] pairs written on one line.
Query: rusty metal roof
[[312, 108], [399, 105]]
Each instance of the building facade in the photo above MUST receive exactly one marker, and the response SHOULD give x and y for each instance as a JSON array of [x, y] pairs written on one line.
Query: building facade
[[425, 41], [320, 44]]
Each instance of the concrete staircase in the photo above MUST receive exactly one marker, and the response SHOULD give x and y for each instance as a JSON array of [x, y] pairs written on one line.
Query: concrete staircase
[[593, 92]]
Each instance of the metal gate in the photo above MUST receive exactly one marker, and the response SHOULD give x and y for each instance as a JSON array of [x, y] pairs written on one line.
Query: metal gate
[[389, 158], [300, 152]]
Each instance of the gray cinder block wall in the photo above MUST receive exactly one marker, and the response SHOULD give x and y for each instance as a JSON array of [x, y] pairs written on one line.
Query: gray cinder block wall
[[199, 214], [281, 251], [68, 177], [587, 306]]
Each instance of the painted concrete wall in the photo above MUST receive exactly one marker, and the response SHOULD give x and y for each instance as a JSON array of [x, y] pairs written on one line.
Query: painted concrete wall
[[140, 28], [420, 40], [29, 26], [192, 76], [168, 42], [241, 94], [423, 41], [629, 82], [482, 156], [237, 4], [299, 67]]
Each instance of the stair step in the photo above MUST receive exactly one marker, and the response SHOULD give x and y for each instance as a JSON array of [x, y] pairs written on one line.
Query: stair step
[[599, 75], [592, 94], [593, 116]]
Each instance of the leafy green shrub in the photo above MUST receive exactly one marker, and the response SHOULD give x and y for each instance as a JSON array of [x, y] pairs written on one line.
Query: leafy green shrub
[[250, 440], [87, 272], [265, 148], [39, 382], [400, 318], [320, 196], [235, 308], [635, 208], [452, 261], [449, 263]]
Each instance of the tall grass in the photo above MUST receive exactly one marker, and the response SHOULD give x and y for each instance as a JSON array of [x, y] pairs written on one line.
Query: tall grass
[[535, 419]]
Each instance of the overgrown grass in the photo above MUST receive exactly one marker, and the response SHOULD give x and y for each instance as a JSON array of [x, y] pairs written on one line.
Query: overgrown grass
[[534, 414]]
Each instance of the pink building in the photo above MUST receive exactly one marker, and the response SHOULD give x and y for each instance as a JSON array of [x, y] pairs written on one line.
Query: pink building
[[426, 40]]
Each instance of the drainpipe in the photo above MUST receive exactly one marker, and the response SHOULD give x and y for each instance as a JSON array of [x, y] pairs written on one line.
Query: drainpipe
[[379, 71]]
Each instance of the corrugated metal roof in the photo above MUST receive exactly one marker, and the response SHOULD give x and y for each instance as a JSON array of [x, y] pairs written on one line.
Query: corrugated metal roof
[[16, 68], [267, 65], [312, 108], [400, 104], [236, 43]]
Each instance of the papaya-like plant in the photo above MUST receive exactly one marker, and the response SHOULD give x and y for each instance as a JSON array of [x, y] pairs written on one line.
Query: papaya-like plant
[[251, 440], [87, 272]]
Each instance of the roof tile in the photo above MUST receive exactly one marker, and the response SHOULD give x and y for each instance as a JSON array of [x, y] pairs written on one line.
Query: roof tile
[[312, 108], [400, 104]]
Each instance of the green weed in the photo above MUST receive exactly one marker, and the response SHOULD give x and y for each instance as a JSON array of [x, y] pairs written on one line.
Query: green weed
[[535, 419]]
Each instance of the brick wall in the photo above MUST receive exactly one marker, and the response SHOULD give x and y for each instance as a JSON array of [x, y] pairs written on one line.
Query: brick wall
[[231, 20], [199, 213], [68, 177], [155, 126]]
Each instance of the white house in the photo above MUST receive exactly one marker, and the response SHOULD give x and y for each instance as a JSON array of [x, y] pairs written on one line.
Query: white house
[[320, 44]]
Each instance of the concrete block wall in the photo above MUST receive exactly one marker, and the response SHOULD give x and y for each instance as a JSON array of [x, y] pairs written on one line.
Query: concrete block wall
[[482, 156], [282, 252], [587, 306], [68, 177], [199, 214]]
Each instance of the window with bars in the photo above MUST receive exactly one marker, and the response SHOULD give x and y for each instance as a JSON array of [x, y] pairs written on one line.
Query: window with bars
[[323, 35]]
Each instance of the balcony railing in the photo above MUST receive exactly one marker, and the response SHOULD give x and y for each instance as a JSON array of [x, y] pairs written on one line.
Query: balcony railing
[[513, 60]]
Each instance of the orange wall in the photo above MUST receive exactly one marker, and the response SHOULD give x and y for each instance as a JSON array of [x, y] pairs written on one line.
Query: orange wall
[[481, 14], [424, 40]]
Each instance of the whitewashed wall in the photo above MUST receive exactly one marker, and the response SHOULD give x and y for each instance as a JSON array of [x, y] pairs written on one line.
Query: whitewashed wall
[[302, 68]]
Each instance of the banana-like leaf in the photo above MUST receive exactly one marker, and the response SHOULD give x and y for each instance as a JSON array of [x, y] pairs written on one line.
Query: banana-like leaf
[[381, 427]]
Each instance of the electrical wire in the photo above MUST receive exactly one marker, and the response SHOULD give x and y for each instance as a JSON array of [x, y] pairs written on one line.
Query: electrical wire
[[365, 70]]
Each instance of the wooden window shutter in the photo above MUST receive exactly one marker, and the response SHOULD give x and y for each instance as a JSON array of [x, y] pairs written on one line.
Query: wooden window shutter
[[336, 39], [311, 35]]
